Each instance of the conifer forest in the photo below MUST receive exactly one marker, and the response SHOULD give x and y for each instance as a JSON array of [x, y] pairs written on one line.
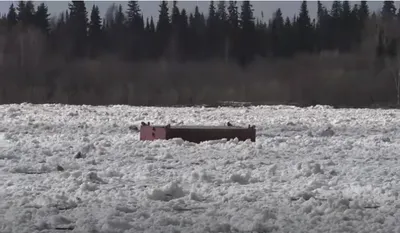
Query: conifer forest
[[345, 56]]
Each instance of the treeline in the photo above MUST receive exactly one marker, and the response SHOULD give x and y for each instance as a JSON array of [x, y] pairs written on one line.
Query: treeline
[[226, 32], [346, 56]]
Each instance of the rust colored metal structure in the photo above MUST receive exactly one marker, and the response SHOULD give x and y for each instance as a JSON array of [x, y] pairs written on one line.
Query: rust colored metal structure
[[197, 134]]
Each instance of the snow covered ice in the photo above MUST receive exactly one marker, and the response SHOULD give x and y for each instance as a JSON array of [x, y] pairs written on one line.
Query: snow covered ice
[[83, 169]]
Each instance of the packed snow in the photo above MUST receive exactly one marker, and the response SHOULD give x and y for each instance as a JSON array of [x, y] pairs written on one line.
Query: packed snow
[[84, 169]]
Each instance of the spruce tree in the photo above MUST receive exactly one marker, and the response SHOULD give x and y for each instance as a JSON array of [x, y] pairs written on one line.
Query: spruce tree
[[233, 16], [323, 36], [163, 24], [11, 17], [221, 14], [117, 31], [222, 30], [390, 40], [163, 28], [263, 41], [348, 27], [247, 35], [184, 34], [362, 15], [152, 28], [134, 17], [212, 30], [26, 12], [211, 14], [277, 33], [197, 35], [42, 20], [305, 30], [363, 11], [119, 17], [336, 23], [78, 22], [357, 24], [287, 46], [175, 14], [147, 27], [233, 31], [134, 45], [388, 10], [95, 32], [336, 10]]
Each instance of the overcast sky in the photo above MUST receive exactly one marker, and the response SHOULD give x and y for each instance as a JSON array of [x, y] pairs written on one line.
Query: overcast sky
[[150, 8]]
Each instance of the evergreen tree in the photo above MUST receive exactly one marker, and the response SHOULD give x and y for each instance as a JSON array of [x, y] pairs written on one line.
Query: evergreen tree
[[147, 27], [336, 10], [305, 30], [134, 17], [277, 34], [78, 16], [211, 14], [133, 11], [357, 24], [233, 16], [95, 32], [246, 16], [222, 30], [134, 46], [197, 35], [336, 23], [363, 12], [221, 14], [212, 30], [78, 22], [388, 41], [152, 28], [348, 27], [247, 35], [26, 12], [388, 10], [225, 33], [233, 32], [163, 28], [120, 17], [30, 11], [184, 35], [115, 33], [262, 35], [176, 43], [184, 21], [175, 14], [61, 20], [346, 8], [287, 46], [42, 20], [321, 12], [11, 17], [163, 24], [21, 11], [150, 52], [323, 35], [192, 50], [67, 16]]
